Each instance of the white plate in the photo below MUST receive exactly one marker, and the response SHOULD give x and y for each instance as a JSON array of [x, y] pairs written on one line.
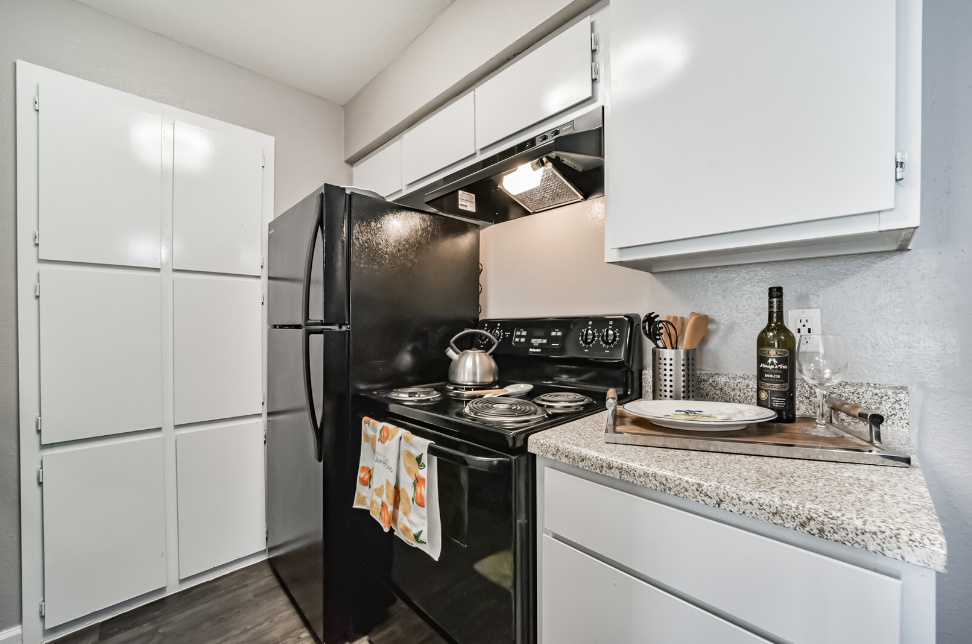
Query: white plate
[[699, 415]]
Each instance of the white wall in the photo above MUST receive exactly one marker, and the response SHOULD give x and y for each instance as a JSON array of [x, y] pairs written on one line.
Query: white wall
[[468, 41], [907, 314], [77, 40]]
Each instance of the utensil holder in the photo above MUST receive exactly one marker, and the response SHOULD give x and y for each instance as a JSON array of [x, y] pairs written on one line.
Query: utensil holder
[[673, 374]]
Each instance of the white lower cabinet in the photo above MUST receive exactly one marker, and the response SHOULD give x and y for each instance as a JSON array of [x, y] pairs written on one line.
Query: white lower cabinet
[[104, 527], [644, 571], [611, 607]]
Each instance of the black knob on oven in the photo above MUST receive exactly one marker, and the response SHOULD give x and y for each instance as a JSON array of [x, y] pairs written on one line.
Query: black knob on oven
[[588, 336], [609, 337]]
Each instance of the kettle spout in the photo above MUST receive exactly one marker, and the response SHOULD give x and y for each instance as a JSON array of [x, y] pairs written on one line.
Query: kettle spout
[[452, 354]]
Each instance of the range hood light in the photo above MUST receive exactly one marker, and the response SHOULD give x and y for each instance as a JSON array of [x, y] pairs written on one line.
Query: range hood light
[[558, 167], [526, 177]]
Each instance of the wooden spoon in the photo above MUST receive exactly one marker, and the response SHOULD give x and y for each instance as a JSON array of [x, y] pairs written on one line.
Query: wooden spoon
[[697, 328]]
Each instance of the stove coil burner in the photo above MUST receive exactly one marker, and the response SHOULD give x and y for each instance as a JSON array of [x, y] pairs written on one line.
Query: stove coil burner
[[504, 411], [560, 402], [415, 395]]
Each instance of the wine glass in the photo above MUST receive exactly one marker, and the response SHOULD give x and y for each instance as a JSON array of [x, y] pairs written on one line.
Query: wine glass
[[823, 361]]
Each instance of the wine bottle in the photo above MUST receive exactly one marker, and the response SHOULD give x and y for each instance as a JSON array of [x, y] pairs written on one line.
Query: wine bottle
[[776, 362]]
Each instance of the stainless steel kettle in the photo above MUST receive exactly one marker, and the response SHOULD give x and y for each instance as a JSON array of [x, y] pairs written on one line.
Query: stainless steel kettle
[[472, 367]]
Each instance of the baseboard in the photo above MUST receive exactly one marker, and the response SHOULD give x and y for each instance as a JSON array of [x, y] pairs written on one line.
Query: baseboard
[[11, 635]]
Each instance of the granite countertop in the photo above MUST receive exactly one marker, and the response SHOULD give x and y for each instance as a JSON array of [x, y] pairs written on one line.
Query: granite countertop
[[886, 510]]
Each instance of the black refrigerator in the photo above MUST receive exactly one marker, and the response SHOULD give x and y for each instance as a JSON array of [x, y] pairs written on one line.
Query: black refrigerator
[[362, 294]]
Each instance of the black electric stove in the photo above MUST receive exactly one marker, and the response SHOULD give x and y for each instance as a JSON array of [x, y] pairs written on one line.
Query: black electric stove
[[482, 590], [570, 363], [452, 416]]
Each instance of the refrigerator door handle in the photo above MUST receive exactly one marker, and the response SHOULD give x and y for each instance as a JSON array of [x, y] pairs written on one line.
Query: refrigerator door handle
[[317, 428], [309, 262]]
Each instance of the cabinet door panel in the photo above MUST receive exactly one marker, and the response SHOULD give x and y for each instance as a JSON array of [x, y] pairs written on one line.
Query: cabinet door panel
[[100, 181], [798, 595], [546, 81], [100, 353], [217, 202], [218, 348], [221, 484], [588, 602], [382, 172], [743, 115], [443, 139], [104, 527]]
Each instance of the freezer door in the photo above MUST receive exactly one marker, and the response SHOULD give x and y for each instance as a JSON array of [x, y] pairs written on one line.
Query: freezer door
[[307, 496], [307, 258], [414, 284], [295, 264]]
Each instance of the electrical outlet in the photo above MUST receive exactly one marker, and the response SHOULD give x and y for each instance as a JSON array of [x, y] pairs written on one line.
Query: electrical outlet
[[803, 321]]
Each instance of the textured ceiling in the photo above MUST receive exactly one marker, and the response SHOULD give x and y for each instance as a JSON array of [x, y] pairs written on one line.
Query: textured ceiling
[[330, 48]]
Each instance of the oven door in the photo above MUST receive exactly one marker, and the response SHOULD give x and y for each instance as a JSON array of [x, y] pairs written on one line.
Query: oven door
[[481, 589]]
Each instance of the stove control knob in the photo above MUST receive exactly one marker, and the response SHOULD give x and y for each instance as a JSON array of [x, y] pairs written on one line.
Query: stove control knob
[[588, 336], [609, 337]]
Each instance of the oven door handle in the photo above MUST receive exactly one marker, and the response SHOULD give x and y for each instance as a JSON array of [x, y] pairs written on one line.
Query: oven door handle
[[484, 463]]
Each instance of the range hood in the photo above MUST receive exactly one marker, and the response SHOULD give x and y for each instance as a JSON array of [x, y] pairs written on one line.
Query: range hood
[[563, 165]]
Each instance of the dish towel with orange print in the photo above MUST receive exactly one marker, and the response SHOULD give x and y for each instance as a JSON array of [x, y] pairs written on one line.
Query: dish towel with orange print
[[397, 484]]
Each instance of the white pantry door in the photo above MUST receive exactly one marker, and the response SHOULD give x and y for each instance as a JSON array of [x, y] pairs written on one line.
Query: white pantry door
[[104, 527], [222, 490], [116, 347], [100, 352], [218, 349], [100, 174], [216, 202]]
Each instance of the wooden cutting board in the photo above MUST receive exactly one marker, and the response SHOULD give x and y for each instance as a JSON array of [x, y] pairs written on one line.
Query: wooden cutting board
[[795, 434]]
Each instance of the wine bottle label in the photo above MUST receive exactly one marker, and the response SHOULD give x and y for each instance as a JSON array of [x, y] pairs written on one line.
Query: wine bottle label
[[773, 376]]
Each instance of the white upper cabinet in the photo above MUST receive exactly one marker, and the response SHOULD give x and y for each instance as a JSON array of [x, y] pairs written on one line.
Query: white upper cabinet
[[444, 138], [546, 81], [382, 171], [217, 202], [749, 124], [100, 353], [104, 526], [100, 180], [218, 349]]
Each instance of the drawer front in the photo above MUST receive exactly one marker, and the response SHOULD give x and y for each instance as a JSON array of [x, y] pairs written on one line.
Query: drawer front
[[795, 594], [588, 602]]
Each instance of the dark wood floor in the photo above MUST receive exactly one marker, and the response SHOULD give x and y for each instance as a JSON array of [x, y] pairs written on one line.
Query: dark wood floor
[[247, 606]]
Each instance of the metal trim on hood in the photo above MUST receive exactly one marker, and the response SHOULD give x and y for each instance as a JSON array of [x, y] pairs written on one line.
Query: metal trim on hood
[[574, 151]]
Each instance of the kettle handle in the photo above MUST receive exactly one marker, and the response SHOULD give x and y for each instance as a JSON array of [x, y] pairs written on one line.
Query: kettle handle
[[452, 342]]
